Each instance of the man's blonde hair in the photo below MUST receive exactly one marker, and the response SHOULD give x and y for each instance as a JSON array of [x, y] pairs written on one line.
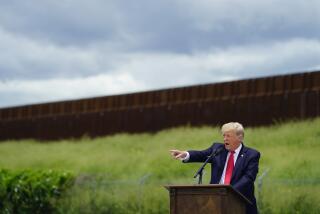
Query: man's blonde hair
[[234, 126]]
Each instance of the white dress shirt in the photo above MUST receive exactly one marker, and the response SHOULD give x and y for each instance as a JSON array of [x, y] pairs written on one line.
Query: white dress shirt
[[235, 156]]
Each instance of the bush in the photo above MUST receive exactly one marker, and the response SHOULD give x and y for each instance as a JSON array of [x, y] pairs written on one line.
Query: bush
[[32, 191]]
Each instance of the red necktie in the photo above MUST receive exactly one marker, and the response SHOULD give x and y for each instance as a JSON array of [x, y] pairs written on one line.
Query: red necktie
[[230, 166]]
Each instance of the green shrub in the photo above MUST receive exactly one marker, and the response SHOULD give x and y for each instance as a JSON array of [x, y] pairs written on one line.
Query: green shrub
[[32, 191]]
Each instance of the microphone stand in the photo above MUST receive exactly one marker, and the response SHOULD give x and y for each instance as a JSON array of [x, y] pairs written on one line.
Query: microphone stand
[[200, 170]]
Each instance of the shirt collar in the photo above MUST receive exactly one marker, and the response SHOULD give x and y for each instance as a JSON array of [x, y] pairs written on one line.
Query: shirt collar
[[238, 149]]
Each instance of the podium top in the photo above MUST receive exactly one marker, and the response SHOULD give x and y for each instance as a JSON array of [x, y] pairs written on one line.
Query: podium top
[[209, 186]]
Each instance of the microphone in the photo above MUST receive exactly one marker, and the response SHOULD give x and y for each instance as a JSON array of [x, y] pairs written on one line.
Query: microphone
[[199, 172]]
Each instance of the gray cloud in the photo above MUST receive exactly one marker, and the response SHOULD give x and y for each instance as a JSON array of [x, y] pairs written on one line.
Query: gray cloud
[[180, 25], [149, 71], [64, 23], [150, 44]]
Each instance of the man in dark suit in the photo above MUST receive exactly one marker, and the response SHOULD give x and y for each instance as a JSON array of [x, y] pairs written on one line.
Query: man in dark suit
[[235, 164]]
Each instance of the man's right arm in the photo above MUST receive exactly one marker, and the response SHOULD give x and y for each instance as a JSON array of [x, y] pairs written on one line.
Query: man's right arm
[[191, 155], [180, 155]]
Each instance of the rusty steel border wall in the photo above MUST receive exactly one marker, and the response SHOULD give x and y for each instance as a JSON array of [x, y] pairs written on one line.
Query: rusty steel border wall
[[253, 102]]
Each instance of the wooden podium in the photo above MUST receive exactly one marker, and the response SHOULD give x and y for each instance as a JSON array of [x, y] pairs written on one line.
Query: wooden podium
[[202, 199]]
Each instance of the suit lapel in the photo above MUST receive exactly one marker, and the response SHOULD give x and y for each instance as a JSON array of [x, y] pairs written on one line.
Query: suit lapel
[[239, 162]]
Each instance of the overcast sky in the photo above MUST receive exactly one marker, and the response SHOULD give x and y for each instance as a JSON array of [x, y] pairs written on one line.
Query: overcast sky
[[69, 49]]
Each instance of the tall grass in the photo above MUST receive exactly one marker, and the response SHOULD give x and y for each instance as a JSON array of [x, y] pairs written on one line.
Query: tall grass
[[111, 169]]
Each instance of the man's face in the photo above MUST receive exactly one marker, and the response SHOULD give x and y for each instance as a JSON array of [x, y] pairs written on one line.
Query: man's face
[[231, 140]]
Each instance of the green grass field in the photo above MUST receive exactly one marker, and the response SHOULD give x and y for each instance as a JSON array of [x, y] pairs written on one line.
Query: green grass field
[[125, 173]]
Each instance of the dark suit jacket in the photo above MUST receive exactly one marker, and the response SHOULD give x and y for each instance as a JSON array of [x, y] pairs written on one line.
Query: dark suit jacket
[[244, 173]]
